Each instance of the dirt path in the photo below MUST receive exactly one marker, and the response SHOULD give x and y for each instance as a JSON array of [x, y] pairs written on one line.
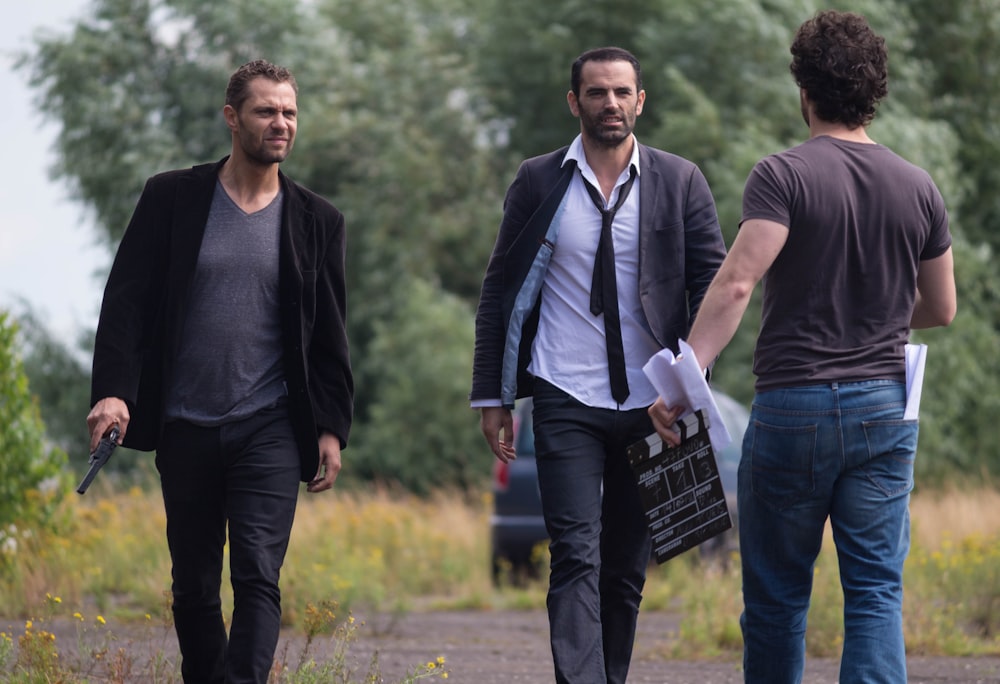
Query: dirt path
[[511, 647]]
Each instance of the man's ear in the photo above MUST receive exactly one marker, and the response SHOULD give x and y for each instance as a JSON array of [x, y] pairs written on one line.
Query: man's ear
[[574, 104], [229, 114]]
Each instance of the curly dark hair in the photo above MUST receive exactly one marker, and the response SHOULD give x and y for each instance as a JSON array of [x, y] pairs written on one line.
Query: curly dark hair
[[238, 89], [842, 65], [603, 54]]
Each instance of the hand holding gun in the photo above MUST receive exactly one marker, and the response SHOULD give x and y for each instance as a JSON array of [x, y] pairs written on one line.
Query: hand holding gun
[[100, 456]]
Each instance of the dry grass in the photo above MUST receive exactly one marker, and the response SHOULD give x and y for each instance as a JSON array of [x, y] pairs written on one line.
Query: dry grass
[[389, 552], [954, 514]]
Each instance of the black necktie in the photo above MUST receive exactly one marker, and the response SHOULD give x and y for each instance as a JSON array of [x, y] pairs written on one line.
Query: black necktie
[[604, 290]]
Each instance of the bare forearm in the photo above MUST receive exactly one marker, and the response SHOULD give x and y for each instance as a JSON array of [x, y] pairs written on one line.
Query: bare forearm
[[754, 250], [718, 319], [936, 301]]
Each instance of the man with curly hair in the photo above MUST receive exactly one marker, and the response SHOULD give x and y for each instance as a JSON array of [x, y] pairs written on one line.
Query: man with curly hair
[[853, 247]]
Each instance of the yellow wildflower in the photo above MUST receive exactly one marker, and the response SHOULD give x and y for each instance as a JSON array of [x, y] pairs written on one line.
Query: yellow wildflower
[[101, 620]]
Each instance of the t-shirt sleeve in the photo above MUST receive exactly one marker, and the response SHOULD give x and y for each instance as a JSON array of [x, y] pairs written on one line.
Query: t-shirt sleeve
[[939, 239], [765, 195]]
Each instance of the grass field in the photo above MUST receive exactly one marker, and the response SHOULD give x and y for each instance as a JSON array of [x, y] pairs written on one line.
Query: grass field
[[387, 551]]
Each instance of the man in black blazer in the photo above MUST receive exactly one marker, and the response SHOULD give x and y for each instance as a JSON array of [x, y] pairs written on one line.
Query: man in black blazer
[[222, 346], [605, 250]]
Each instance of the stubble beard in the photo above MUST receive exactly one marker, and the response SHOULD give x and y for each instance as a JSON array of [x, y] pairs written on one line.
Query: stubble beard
[[609, 139], [263, 156], [257, 151]]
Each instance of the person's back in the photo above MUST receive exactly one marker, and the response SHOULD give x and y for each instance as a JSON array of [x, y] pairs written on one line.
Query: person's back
[[860, 220], [853, 247]]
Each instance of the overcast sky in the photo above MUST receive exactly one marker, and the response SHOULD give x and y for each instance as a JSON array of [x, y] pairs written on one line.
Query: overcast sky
[[48, 245]]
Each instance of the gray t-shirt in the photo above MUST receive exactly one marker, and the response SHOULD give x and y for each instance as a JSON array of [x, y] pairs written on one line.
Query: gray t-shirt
[[229, 365], [838, 298]]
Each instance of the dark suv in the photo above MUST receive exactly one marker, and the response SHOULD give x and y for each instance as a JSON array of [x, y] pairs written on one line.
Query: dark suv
[[516, 525]]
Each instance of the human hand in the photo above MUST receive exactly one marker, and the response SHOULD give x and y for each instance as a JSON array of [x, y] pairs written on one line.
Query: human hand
[[663, 418], [494, 421], [106, 413], [329, 464]]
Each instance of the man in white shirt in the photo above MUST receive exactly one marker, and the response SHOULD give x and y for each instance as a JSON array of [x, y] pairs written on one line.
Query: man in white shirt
[[605, 250]]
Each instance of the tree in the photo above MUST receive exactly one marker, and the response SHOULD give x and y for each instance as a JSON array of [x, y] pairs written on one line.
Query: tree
[[960, 42], [523, 63], [61, 383], [959, 432], [415, 113], [422, 433], [32, 478], [389, 131]]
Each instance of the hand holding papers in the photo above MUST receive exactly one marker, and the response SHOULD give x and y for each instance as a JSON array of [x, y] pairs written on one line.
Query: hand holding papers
[[681, 382], [680, 487]]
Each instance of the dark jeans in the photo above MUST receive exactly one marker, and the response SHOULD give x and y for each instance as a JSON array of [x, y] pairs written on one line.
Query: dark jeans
[[600, 542], [244, 474]]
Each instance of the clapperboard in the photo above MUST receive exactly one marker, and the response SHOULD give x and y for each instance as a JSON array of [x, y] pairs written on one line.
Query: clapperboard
[[680, 488]]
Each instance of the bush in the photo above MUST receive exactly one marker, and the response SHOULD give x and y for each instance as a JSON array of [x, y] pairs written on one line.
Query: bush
[[32, 472]]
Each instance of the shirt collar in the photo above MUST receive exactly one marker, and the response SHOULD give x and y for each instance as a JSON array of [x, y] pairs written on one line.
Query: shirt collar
[[576, 153]]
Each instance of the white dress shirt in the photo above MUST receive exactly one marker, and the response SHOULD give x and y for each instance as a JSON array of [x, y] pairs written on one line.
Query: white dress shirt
[[569, 350]]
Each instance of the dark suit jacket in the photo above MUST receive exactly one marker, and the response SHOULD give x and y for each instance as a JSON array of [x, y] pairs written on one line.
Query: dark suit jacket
[[146, 296], [680, 249]]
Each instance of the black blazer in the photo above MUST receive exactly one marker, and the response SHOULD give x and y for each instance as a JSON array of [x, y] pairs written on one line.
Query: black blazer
[[145, 298], [680, 249]]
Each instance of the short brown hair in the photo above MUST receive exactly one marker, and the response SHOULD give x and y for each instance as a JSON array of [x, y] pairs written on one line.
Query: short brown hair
[[238, 89]]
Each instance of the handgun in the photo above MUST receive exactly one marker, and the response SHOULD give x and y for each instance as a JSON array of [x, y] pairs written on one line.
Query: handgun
[[100, 456]]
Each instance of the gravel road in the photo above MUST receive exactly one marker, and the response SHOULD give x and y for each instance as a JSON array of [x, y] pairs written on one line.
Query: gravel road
[[502, 647], [511, 647]]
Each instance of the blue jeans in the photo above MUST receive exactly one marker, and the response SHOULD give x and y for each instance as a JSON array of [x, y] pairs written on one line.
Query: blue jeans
[[599, 537], [243, 476], [843, 452]]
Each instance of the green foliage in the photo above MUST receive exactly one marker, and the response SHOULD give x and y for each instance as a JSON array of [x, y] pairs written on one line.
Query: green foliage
[[61, 383], [421, 432], [959, 432], [960, 584], [525, 54], [139, 88], [415, 113], [961, 42], [31, 479]]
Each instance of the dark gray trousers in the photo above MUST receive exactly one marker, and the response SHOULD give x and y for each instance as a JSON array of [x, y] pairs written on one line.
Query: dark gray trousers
[[244, 476], [600, 545]]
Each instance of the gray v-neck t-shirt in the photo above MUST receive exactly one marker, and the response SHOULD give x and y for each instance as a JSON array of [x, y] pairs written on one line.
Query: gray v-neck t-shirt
[[229, 364]]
